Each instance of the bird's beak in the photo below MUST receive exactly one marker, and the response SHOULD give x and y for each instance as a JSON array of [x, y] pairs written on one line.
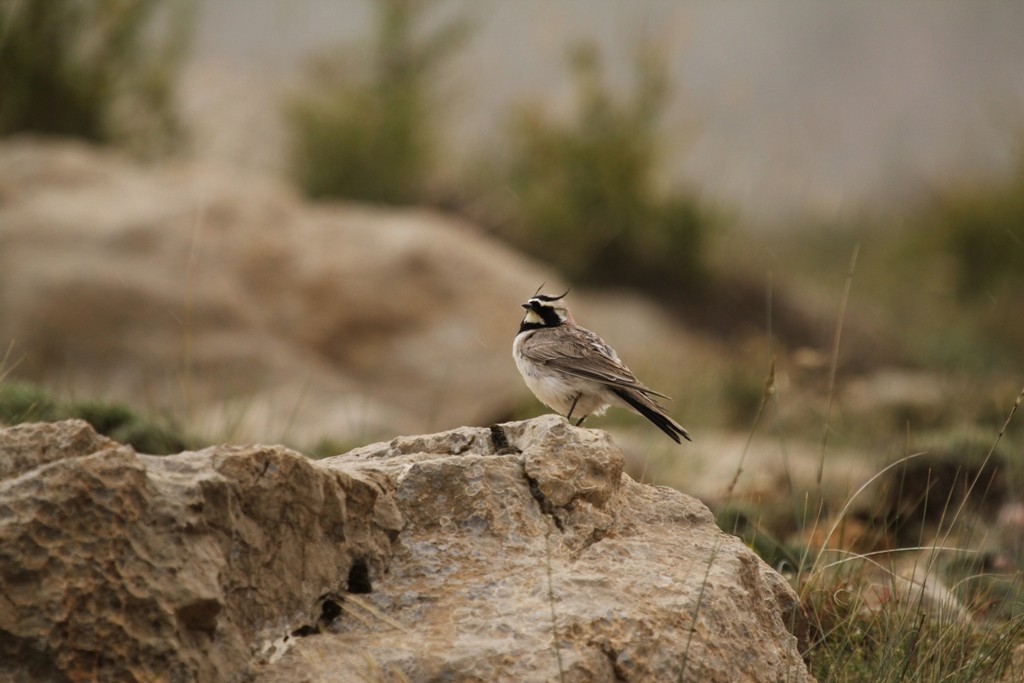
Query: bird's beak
[[528, 306]]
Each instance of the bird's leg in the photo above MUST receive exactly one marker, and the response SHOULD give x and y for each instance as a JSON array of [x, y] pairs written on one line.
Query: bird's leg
[[580, 421], [572, 407]]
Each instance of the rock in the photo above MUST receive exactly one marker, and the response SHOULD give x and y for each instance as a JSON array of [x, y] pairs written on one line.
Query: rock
[[1015, 668], [900, 396], [121, 567], [32, 445], [909, 584], [528, 556], [516, 552], [1009, 534]]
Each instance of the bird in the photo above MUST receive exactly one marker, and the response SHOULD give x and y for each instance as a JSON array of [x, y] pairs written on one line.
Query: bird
[[574, 372]]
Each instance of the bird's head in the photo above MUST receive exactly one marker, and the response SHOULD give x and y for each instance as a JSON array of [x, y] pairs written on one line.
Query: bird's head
[[543, 310]]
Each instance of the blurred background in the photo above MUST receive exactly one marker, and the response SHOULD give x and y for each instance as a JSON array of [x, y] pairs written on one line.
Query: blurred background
[[312, 222], [778, 109]]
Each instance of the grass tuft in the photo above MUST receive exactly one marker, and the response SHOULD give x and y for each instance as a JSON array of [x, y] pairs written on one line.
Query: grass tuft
[[22, 402]]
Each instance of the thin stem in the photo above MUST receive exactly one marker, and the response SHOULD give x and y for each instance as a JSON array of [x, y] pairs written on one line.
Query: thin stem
[[551, 604], [835, 356]]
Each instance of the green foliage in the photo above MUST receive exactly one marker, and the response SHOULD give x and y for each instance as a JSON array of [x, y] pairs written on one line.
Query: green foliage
[[21, 402], [93, 69], [956, 276], [122, 424], [586, 189], [744, 521], [370, 136], [983, 230], [960, 621], [920, 579]]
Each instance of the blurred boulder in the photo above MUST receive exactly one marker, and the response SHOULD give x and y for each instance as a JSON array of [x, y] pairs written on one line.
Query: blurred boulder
[[222, 297], [900, 397]]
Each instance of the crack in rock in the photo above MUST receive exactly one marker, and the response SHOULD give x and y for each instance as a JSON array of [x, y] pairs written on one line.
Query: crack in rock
[[499, 441], [545, 505], [330, 610], [613, 658]]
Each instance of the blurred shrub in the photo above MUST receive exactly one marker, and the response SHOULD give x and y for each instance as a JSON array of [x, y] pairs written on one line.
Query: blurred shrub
[[983, 230], [967, 240], [586, 188], [21, 402], [370, 135], [102, 70]]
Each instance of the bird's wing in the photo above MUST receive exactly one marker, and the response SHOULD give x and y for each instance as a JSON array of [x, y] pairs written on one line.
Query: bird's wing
[[583, 355]]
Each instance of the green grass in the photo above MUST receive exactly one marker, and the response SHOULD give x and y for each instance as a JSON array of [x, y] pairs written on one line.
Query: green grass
[[855, 641], [927, 589], [22, 402], [946, 470]]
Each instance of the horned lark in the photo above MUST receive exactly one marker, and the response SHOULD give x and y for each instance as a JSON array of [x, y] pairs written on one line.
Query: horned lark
[[573, 371]]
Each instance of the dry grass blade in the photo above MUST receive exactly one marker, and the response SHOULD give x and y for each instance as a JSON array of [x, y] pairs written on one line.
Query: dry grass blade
[[766, 394], [5, 366], [551, 604], [835, 357], [371, 610], [988, 456], [188, 313], [696, 610], [846, 506]]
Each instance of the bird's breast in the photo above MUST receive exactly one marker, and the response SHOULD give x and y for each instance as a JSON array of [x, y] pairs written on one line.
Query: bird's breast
[[554, 389]]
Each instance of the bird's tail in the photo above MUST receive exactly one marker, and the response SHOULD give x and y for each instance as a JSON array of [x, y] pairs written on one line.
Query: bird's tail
[[653, 412]]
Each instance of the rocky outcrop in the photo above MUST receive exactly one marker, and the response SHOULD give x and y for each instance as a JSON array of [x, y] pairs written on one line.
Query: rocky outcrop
[[511, 553], [116, 566]]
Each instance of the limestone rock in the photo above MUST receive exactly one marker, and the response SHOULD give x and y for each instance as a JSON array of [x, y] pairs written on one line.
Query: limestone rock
[[527, 553], [519, 552], [121, 567], [28, 446]]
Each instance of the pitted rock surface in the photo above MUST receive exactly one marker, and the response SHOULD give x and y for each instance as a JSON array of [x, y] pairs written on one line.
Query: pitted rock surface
[[519, 552]]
